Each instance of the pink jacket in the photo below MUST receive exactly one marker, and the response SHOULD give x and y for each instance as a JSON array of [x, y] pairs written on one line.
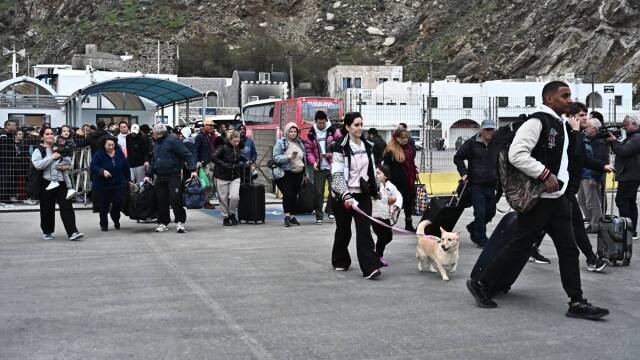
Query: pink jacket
[[313, 147]]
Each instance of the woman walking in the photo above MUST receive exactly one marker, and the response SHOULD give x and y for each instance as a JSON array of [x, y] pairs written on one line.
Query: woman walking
[[400, 157], [354, 183], [229, 165], [44, 159], [110, 173], [290, 155]]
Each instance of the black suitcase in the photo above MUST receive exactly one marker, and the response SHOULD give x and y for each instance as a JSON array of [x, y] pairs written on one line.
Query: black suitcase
[[251, 206], [615, 237], [445, 211], [143, 205], [500, 237]]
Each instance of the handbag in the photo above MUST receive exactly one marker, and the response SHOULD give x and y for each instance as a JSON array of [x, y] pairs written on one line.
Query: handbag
[[193, 194], [422, 199], [306, 201]]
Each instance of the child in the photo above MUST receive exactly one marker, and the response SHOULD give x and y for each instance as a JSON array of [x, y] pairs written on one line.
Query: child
[[386, 209], [65, 146]]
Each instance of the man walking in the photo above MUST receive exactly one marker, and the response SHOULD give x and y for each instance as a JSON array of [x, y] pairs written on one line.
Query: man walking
[[320, 136], [205, 147], [137, 153], [482, 176], [627, 166], [168, 158], [378, 145], [540, 149]]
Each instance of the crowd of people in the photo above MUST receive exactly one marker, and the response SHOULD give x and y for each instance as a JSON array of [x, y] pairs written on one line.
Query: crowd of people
[[371, 182]]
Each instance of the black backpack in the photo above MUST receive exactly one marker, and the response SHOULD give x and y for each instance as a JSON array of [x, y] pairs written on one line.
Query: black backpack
[[34, 180]]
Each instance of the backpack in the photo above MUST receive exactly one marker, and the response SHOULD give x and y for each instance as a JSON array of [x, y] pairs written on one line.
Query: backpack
[[34, 180], [521, 191], [274, 171], [193, 194]]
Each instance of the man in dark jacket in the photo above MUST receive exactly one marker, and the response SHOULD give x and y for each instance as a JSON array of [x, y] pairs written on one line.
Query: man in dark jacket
[[137, 153], [482, 176], [205, 147], [168, 158], [627, 166], [378, 144], [592, 181], [96, 138]]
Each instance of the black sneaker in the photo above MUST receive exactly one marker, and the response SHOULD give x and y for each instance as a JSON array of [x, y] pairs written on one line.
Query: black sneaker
[[374, 274], [537, 258], [227, 221], [597, 265], [234, 220], [287, 221], [479, 292], [634, 235], [583, 310], [294, 221], [116, 224], [409, 227]]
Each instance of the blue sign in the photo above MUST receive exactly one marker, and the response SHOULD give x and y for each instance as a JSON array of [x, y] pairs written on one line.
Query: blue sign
[[210, 111]]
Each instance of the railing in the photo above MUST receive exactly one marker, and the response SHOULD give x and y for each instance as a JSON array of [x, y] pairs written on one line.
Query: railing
[[31, 101]]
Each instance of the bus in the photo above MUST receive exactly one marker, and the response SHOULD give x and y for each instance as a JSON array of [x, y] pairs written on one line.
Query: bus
[[277, 113]]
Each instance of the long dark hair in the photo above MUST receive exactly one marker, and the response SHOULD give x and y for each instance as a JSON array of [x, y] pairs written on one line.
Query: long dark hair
[[348, 120]]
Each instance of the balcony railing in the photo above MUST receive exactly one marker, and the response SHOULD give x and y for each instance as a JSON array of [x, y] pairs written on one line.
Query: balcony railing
[[31, 101]]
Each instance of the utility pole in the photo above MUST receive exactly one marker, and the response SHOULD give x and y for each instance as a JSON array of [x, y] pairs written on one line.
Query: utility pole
[[291, 74], [14, 63], [429, 120], [159, 57]]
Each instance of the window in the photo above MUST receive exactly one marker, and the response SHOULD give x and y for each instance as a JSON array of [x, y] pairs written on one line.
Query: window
[[346, 83], [265, 76], [434, 102], [382, 80], [530, 101], [618, 100], [357, 83], [467, 102], [594, 100], [212, 99], [396, 79], [503, 101]]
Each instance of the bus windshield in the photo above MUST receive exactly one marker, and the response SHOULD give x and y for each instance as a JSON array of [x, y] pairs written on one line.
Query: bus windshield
[[309, 109], [258, 113]]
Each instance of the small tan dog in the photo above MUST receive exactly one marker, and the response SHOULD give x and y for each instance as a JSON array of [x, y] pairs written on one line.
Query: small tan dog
[[443, 251]]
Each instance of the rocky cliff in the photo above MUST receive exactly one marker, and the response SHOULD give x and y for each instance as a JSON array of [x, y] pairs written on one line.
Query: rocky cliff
[[477, 40]]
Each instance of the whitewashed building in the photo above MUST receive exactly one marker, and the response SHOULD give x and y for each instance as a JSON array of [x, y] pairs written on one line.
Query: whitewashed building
[[458, 108]]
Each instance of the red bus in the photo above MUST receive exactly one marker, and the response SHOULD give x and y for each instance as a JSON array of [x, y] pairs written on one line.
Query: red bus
[[276, 113]]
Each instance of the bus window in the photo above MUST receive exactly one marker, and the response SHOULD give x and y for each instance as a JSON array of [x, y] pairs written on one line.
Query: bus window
[[258, 114], [309, 110]]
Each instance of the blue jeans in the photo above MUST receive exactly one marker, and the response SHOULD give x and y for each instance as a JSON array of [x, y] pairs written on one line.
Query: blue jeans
[[483, 199]]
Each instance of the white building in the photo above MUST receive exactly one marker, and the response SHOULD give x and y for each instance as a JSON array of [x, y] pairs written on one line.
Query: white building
[[343, 77], [459, 108], [30, 102]]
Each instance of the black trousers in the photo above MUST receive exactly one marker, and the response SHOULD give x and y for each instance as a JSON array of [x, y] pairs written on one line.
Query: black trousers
[[168, 191], [365, 247], [626, 201], [384, 235], [554, 217], [290, 185], [48, 200], [111, 198], [408, 203], [582, 239]]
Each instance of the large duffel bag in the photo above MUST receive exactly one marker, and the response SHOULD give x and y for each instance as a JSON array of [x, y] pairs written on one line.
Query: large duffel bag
[[143, 204], [445, 211]]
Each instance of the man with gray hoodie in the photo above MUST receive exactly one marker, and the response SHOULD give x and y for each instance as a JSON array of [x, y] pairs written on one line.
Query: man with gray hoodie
[[540, 149], [320, 136]]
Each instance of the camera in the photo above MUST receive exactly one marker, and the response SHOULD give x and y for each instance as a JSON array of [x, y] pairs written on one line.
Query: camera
[[615, 130]]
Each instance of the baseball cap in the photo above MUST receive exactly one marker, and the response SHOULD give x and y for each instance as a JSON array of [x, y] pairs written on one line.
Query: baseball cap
[[488, 124], [135, 128]]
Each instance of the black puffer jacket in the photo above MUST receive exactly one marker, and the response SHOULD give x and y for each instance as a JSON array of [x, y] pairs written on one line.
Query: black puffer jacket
[[229, 162], [628, 157], [482, 161], [169, 155]]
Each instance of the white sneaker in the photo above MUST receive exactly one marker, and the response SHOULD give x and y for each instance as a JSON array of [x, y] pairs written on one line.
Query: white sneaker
[[48, 237], [180, 228], [162, 228], [76, 236], [30, 202], [71, 194], [52, 185]]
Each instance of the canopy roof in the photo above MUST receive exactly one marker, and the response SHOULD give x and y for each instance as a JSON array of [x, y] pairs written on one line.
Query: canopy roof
[[160, 91]]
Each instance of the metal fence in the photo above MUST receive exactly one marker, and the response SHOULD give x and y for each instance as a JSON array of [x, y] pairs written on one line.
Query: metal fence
[[441, 124]]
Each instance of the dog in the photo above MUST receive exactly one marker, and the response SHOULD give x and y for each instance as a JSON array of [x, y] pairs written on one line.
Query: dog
[[439, 251]]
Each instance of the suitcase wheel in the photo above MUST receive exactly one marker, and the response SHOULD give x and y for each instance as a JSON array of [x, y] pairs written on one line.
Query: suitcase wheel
[[614, 262]]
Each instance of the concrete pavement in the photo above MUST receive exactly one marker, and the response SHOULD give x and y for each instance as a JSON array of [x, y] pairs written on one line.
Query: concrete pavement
[[268, 292]]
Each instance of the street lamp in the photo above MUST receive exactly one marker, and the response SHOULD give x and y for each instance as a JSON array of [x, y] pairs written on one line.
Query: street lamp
[[14, 64]]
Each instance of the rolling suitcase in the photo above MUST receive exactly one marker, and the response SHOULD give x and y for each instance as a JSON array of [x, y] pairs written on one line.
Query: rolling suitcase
[[500, 237], [251, 206], [446, 210], [615, 237]]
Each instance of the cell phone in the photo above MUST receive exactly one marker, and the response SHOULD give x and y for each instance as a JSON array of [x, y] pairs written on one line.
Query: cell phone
[[295, 153]]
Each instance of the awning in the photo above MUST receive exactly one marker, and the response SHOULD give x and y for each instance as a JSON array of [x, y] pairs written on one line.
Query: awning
[[160, 91]]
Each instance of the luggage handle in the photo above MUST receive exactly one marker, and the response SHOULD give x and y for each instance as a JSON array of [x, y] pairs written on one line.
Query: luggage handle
[[457, 196]]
